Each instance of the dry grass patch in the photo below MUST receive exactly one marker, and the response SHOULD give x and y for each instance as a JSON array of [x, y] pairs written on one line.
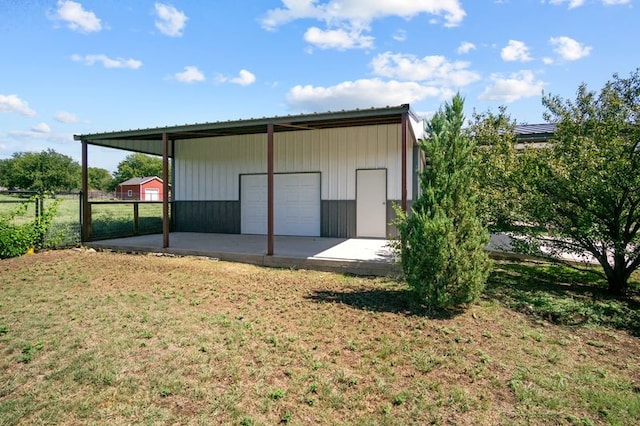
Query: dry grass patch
[[121, 339]]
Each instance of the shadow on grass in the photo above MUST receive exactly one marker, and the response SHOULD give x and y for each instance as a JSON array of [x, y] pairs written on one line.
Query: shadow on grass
[[562, 296], [397, 301], [554, 293]]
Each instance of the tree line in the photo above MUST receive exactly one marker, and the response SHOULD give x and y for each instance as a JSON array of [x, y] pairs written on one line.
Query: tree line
[[578, 193], [50, 171]]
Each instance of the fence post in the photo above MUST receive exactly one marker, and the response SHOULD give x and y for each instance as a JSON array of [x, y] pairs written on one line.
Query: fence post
[[88, 225], [86, 207], [40, 201], [80, 198], [136, 227], [85, 218]]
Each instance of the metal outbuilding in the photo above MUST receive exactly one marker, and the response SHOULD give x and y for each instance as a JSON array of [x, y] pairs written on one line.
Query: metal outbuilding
[[333, 174]]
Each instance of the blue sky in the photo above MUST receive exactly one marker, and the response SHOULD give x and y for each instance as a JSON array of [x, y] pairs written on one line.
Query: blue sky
[[85, 66]]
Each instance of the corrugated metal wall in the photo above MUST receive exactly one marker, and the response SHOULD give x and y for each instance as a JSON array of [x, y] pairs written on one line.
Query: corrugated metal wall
[[209, 169]]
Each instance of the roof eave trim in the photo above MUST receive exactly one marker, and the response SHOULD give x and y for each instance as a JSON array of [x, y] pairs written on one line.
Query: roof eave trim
[[293, 119]]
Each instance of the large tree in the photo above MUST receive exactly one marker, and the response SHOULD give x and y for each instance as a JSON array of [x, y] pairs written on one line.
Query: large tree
[[137, 165], [442, 242], [4, 171], [41, 171], [584, 186], [498, 198], [99, 178]]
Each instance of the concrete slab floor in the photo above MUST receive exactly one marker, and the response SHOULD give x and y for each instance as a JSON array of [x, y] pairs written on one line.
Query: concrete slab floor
[[354, 255], [351, 255]]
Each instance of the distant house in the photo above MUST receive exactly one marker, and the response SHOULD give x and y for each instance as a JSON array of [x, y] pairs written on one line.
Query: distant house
[[535, 133], [140, 188]]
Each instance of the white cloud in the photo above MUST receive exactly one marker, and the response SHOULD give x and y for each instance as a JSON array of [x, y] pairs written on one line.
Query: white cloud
[[107, 62], [340, 39], [400, 35], [66, 117], [515, 51], [347, 20], [572, 3], [433, 69], [76, 17], [547, 60], [26, 134], [577, 3], [40, 135], [465, 47], [190, 74], [170, 21], [365, 93], [569, 49], [244, 78], [424, 115], [508, 89], [362, 11], [12, 103], [41, 128]]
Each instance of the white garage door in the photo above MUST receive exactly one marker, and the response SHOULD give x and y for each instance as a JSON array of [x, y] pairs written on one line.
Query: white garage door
[[296, 204], [253, 204], [151, 194]]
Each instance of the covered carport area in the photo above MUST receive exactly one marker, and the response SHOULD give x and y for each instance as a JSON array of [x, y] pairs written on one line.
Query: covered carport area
[[163, 142]]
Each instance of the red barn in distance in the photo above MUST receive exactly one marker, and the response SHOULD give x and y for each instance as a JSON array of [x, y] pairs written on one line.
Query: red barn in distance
[[140, 188]]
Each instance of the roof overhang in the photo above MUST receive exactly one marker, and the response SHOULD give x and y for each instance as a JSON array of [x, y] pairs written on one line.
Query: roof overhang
[[149, 140], [535, 133]]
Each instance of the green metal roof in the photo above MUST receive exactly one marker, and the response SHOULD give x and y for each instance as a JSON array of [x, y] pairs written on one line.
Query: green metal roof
[[149, 140]]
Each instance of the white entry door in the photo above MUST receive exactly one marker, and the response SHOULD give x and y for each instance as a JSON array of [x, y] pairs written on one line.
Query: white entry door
[[371, 203], [296, 204], [151, 194]]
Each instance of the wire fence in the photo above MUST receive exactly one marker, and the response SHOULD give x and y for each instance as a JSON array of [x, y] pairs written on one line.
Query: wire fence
[[124, 219], [109, 218], [65, 227]]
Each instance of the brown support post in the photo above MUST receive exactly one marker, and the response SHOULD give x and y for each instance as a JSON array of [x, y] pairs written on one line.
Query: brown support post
[[269, 189], [165, 190], [172, 212], [404, 161], [86, 212]]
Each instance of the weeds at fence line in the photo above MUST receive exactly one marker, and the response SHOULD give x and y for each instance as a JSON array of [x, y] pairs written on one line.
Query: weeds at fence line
[[108, 220], [19, 236], [20, 210]]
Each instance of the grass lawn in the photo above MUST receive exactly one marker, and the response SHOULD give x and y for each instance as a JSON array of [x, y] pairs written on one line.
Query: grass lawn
[[110, 338]]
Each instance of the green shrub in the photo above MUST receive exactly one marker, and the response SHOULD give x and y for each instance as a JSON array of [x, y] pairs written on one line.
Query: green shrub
[[15, 240], [442, 242]]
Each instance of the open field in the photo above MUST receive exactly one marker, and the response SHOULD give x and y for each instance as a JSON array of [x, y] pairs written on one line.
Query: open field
[[110, 338], [109, 220]]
